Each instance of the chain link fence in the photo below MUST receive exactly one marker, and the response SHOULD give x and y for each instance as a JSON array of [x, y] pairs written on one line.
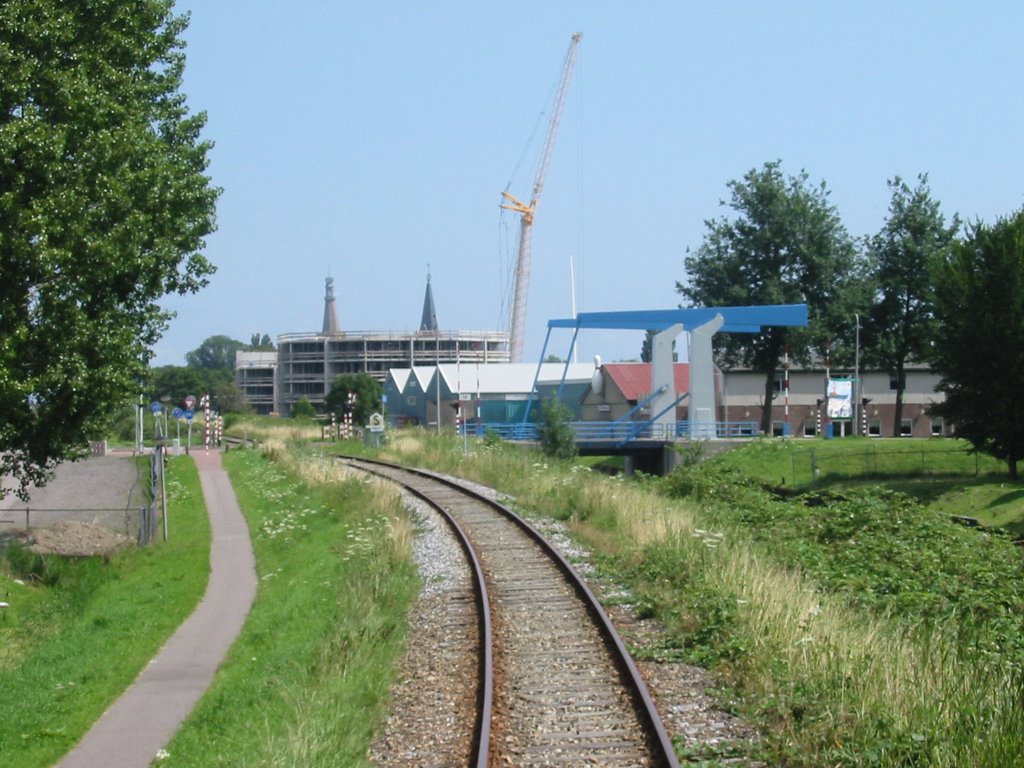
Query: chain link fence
[[814, 466], [138, 524], [84, 501]]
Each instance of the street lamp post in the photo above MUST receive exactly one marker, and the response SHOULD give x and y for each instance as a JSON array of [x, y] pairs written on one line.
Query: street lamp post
[[856, 372]]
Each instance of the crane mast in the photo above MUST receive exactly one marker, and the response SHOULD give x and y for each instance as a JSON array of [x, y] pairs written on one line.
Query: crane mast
[[521, 284]]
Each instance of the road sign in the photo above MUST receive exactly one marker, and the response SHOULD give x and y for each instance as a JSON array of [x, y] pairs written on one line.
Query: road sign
[[465, 397], [189, 414], [177, 413], [190, 400], [155, 407]]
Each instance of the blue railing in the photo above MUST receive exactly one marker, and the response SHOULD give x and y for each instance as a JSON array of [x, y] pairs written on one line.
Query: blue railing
[[621, 432]]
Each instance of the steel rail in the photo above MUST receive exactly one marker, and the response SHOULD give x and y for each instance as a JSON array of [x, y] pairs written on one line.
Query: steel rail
[[485, 691], [628, 670]]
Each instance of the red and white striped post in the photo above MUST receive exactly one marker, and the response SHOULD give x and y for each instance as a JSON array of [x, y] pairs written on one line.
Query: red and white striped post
[[785, 390], [204, 401]]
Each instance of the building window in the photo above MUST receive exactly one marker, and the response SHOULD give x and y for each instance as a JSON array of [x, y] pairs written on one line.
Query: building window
[[874, 428], [906, 427], [809, 428], [410, 400], [777, 428], [938, 428], [895, 381]]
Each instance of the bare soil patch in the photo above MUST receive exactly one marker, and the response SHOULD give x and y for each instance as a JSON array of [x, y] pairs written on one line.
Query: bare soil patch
[[72, 538]]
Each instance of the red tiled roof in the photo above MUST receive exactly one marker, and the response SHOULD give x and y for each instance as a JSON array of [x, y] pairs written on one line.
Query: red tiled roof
[[634, 379]]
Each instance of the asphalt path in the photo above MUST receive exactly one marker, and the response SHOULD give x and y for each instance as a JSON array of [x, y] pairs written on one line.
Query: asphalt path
[[143, 720]]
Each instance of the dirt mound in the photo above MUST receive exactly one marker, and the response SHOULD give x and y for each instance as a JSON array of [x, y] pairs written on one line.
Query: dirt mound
[[72, 538]]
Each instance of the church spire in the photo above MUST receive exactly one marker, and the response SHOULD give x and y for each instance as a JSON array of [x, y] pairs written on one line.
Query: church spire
[[330, 310], [429, 319]]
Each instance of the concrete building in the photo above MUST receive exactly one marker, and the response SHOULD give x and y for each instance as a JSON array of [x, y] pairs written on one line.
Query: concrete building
[[254, 374], [618, 388], [306, 364], [875, 406]]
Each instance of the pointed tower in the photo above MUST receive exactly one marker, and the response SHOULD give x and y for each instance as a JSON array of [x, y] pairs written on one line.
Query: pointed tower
[[429, 320], [330, 311]]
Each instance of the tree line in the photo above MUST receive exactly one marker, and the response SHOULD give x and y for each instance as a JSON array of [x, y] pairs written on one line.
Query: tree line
[[926, 289], [209, 369]]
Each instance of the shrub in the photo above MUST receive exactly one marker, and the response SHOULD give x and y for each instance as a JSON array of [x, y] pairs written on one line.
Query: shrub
[[303, 409], [557, 438]]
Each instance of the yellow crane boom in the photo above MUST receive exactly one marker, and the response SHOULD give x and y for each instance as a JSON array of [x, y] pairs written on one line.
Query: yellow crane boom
[[521, 285]]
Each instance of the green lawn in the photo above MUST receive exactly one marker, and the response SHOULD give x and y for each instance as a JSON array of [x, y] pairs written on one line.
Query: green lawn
[[80, 630], [941, 474]]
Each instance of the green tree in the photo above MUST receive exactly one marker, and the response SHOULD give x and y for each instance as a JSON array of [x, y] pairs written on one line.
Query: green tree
[[216, 353], [367, 390], [260, 343], [784, 245], [557, 438], [228, 398], [104, 204], [646, 348], [177, 382], [979, 344], [303, 409], [900, 325]]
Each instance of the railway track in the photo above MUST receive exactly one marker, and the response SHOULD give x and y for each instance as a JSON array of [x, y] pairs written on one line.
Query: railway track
[[555, 684]]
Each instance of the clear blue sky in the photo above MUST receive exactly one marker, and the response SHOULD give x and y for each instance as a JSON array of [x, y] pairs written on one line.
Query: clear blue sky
[[368, 140]]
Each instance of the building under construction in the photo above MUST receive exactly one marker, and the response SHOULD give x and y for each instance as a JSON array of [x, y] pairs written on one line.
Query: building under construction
[[306, 364]]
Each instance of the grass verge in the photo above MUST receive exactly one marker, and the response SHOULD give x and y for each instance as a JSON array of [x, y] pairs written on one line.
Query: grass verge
[[306, 681], [77, 635]]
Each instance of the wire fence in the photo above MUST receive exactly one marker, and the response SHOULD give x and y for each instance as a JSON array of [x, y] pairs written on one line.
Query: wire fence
[[138, 524], [814, 467], [73, 528]]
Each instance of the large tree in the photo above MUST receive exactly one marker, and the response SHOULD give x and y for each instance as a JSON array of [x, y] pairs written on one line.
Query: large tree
[[367, 390], [104, 204], [216, 353], [979, 346], [784, 244], [900, 326]]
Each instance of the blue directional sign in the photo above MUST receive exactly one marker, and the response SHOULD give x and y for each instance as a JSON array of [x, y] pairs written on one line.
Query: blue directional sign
[[155, 407], [177, 413], [189, 414]]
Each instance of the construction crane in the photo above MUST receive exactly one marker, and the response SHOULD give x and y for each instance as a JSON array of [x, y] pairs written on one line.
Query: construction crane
[[521, 285]]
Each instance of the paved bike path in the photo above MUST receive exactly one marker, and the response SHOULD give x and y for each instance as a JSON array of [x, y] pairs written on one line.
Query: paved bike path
[[143, 720]]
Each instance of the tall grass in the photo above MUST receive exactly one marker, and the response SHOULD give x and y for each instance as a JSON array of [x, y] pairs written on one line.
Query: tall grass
[[306, 682], [266, 428], [827, 683]]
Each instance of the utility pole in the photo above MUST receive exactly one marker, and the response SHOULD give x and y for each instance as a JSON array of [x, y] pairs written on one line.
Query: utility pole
[[856, 373]]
